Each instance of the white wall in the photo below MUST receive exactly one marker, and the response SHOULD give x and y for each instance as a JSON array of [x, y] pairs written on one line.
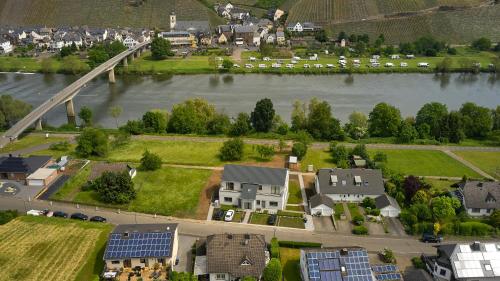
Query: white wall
[[213, 277], [389, 211], [482, 212], [350, 197], [324, 210]]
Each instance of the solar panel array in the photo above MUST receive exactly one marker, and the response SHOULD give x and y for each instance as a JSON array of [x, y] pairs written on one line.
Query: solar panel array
[[326, 266], [389, 277], [138, 245], [385, 268]]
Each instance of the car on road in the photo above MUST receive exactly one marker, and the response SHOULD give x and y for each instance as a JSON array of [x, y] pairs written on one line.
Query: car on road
[[229, 215], [431, 238], [97, 219], [79, 216], [48, 213], [271, 220], [59, 214], [218, 215], [35, 213]]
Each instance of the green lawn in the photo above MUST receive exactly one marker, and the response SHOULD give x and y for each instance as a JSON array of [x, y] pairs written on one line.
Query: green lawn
[[257, 218], [70, 187], [295, 196], [291, 222], [425, 163], [440, 186], [295, 208], [353, 209], [318, 158], [339, 210], [290, 264], [489, 161], [29, 141], [177, 152]]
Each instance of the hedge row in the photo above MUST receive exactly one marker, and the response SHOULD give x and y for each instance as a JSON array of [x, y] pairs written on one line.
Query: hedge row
[[298, 245], [289, 214], [275, 248]]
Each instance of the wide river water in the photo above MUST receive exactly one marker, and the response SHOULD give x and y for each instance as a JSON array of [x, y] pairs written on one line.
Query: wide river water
[[238, 93]]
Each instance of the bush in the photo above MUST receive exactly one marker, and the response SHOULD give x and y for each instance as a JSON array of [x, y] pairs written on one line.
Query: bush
[[388, 256], [358, 219], [360, 230], [368, 202], [272, 272], [60, 146], [92, 142], [298, 245], [299, 149], [275, 248], [418, 263], [473, 228], [373, 212], [150, 161], [115, 188], [8, 215], [232, 150]]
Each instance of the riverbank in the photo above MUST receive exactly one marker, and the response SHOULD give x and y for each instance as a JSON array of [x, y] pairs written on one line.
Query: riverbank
[[325, 65]]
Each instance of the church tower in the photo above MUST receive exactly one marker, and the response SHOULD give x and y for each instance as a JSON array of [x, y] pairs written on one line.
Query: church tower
[[173, 21]]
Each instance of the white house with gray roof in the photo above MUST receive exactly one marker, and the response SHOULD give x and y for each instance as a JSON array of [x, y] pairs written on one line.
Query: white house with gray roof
[[480, 198], [254, 188], [350, 185]]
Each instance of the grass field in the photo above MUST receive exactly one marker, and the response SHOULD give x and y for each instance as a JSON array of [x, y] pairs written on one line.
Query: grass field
[[318, 158], [29, 141], [167, 191], [425, 163], [295, 195], [290, 264], [291, 222], [39, 248], [257, 218], [151, 14], [489, 161]]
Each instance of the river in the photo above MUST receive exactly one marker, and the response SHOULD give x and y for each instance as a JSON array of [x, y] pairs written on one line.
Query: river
[[238, 93]]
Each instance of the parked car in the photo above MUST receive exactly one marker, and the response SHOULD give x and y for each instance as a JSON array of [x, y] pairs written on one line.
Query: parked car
[[229, 215], [218, 214], [98, 219], [79, 216], [35, 213], [271, 220], [431, 238], [266, 59], [59, 214]]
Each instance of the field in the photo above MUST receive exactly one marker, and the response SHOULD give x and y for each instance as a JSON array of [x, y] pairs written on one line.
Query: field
[[167, 191], [29, 141], [99, 13], [489, 162], [38, 248], [318, 158]]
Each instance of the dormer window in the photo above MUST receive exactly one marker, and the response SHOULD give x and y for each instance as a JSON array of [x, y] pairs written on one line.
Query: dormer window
[[230, 186]]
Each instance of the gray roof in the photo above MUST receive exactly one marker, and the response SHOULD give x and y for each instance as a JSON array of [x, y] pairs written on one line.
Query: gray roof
[[245, 28], [371, 181], [385, 200], [193, 26], [320, 199], [254, 174], [28, 165], [483, 195], [249, 191], [226, 253]]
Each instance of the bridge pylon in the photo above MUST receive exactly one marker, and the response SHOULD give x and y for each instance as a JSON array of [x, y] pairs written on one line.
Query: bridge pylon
[[111, 75], [70, 112], [38, 125]]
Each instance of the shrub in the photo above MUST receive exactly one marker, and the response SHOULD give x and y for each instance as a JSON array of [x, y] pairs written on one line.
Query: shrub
[[373, 212], [8, 215], [115, 188], [275, 248], [232, 150], [92, 142], [60, 146], [272, 272], [368, 202], [388, 256], [360, 230], [299, 149], [358, 219], [473, 228], [418, 263], [150, 161], [298, 245]]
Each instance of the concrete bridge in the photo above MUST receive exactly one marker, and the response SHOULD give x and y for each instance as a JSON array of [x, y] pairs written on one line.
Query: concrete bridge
[[66, 95]]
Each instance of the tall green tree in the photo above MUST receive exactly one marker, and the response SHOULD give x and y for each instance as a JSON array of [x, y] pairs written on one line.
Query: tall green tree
[[444, 207], [115, 112], [384, 120], [477, 120], [433, 114], [241, 126], [455, 128], [406, 133], [299, 118], [190, 117], [155, 121], [263, 115], [160, 48], [12, 110], [115, 188], [320, 122], [232, 150], [272, 272], [482, 44], [86, 115], [92, 142]]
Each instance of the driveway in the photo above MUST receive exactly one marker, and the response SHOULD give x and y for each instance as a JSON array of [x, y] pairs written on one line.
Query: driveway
[[395, 227], [15, 189], [184, 253], [323, 224]]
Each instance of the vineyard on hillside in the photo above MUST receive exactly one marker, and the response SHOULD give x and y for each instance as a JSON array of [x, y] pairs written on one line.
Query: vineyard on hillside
[[34, 249], [454, 27], [99, 13]]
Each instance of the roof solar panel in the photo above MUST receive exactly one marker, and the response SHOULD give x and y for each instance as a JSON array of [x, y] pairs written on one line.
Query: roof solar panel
[[138, 245]]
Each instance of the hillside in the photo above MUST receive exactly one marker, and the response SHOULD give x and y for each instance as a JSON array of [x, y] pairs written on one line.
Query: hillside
[[100, 13]]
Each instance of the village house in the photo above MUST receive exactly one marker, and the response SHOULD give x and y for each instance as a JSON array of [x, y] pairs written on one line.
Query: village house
[[254, 188], [225, 34], [280, 37], [5, 46], [239, 14], [465, 262], [480, 198], [131, 41], [231, 257], [278, 14], [20, 168], [179, 38], [270, 38], [303, 27], [349, 185], [141, 245], [245, 34]]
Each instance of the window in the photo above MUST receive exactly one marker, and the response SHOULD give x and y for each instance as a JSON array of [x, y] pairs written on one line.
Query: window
[[115, 262], [489, 210], [275, 189], [230, 186], [258, 202], [142, 260], [260, 187], [476, 210], [220, 276], [160, 261], [442, 272], [273, 203], [228, 199]]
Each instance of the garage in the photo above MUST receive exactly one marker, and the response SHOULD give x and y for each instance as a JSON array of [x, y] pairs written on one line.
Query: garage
[[321, 205], [42, 177], [388, 206]]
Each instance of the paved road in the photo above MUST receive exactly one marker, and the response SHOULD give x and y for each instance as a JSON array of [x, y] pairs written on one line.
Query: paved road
[[402, 246], [64, 95]]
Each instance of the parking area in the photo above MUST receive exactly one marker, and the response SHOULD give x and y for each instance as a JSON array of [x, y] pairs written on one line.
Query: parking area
[[17, 190], [184, 254], [323, 224]]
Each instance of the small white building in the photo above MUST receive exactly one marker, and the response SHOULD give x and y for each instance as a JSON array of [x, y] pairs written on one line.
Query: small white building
[[295, 27], [321, 205], [388, 206], [131, 41], [42, 177], [5, 46]]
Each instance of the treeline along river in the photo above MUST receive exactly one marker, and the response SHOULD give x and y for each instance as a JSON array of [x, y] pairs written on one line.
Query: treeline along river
[[239, 93]]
